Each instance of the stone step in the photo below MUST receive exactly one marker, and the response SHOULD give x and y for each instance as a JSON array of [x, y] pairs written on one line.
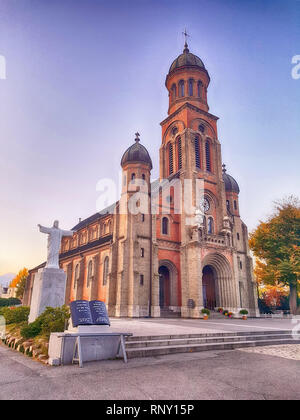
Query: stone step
[[164, 350], [203, 340], [168, 313], [204, 335], [216, 315]]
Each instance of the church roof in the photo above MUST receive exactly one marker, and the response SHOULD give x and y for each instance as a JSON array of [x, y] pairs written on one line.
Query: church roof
[[230, 183], [186, 59], [136, 153], [86, 222]]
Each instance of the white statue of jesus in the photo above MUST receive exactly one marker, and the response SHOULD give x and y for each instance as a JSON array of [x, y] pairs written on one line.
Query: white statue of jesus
[[54, 240]]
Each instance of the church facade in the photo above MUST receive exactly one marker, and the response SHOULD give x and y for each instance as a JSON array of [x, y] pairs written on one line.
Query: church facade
[[183, 245]]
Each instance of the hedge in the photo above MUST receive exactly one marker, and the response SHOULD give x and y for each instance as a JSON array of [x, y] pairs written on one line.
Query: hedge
[[51, 320], [9, 302], [15, 315]]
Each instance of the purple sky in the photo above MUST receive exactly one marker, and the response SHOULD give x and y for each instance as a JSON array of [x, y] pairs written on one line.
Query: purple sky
[[84, 75]]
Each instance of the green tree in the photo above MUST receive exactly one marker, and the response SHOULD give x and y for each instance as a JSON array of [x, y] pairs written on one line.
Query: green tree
[[276, 245]]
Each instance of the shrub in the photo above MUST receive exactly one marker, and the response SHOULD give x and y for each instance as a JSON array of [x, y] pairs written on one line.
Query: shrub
[[244, 312], [9, 302], [15, 315], [205, 311], [220, 310], [51, 320], [31, 330], [225, 312], [54, 319]]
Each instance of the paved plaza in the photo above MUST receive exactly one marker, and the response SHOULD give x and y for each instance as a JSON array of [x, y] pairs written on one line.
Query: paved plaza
[[288, 351], [160, 326], [256, 373]]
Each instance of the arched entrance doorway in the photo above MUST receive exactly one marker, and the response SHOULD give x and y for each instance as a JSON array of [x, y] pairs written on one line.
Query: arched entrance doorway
[[225, 290], [208, 288], [164, 286]]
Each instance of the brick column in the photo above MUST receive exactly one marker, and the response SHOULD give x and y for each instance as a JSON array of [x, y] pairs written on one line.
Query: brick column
[[79, 287]]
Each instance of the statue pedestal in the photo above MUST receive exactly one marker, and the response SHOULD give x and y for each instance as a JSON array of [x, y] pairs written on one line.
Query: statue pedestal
[[49, 289]]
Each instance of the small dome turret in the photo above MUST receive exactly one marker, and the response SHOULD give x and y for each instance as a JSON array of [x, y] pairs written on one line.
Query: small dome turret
[[230, 183], [186, 59], [136, 153]]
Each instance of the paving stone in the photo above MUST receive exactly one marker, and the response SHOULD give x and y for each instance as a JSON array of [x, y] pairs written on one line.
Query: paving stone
[[287, 351]]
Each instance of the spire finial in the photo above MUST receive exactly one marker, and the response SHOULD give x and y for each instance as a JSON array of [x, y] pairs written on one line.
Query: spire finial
[[224, 168], [186, 49], [137, 135]]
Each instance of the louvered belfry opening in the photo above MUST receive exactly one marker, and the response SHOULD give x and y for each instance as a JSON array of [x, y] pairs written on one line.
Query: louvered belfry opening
[[197, 152], [179, 153]]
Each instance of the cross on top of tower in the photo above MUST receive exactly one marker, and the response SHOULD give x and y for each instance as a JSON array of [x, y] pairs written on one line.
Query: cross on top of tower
[[185, 44], [137, 135]]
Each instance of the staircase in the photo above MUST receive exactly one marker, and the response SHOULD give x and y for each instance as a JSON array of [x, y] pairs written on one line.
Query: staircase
[[170, 344]]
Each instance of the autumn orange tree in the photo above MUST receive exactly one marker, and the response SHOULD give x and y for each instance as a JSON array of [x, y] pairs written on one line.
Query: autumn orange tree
[[276, 246], [19, 282]]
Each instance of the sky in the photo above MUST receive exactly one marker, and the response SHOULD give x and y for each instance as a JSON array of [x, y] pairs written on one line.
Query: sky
[[82, 76]]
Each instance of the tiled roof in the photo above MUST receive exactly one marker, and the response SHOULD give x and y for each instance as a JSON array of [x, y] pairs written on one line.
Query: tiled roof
[[97, 216]]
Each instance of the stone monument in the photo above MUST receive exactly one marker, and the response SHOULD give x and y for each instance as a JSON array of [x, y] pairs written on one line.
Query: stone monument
[[49, 286]]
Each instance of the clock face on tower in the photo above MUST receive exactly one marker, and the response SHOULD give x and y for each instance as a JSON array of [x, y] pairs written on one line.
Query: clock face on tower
[[204, 205]]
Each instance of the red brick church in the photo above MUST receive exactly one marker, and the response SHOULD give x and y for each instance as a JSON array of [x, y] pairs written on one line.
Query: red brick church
[[163, 262]]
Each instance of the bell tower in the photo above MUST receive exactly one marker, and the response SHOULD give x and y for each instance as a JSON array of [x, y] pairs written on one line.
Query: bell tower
[[190, 150]]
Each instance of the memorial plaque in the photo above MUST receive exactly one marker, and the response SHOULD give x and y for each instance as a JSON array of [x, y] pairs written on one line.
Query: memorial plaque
[[84, 312], [81, 313], [99, 313], [191, 303]]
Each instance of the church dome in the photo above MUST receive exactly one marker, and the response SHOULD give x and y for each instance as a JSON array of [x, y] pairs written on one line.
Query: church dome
[[136, 153], [230, 183], [186, 59]]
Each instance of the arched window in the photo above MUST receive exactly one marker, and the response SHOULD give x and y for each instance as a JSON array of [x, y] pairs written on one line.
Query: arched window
[[173, 92], [133, 178], [90, 273], [179, 153], [181, 88], [197, 153], [170, 159], [191, 83], [165, 226], [235, 205], [210, 225], [199, 89], [208, 156], [228, 204], [143, 177], [105, 270]]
